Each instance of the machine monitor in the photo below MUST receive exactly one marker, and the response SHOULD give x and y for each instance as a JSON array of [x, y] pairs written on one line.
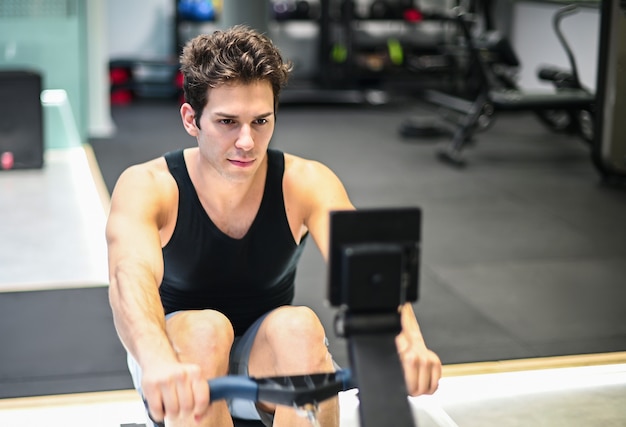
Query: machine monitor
[[374, 258]]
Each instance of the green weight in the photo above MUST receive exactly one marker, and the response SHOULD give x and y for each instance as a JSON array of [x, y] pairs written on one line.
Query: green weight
[[339, 53], [396, 53]]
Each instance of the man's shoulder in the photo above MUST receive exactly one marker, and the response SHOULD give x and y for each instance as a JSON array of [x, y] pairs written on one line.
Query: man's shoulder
[[305, 173], [148, 169], [144, 176], [293, 161]]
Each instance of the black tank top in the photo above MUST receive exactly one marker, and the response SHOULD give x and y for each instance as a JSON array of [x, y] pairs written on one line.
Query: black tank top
[[242, 278]]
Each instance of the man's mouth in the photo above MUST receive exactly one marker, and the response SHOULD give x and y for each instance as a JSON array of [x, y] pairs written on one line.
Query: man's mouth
[[241, 163]]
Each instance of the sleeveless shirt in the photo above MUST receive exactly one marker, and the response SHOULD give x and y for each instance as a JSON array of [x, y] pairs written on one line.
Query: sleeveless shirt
[[242, 278]]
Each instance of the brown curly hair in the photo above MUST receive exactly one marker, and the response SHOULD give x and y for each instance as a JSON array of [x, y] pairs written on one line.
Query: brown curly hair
[[239, 54]]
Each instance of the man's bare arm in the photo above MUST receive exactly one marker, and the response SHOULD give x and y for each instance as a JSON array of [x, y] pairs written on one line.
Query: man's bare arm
[[136, 265], [321, 192], [138, 212], [422, 367]]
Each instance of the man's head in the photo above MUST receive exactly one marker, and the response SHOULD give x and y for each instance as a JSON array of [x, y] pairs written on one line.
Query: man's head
[[239, 54]]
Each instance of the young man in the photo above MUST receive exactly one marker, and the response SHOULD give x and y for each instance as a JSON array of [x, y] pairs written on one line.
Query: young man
[[203, 246]]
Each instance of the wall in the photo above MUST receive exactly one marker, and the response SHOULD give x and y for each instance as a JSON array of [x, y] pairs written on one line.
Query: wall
[[140, 29], [536, 44]]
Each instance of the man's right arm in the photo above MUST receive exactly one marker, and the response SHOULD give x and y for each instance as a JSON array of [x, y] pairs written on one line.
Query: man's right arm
[[138, 211], [136, 264]]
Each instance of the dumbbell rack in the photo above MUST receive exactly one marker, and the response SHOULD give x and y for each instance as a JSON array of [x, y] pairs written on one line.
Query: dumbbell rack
[[346, 68]]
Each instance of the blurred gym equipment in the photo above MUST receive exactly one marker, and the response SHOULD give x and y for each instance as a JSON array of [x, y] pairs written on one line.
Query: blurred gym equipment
[[21, 120], [493, 88]]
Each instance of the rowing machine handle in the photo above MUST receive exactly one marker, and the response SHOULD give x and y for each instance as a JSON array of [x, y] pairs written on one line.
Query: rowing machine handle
[[295, 390], [298, 390]]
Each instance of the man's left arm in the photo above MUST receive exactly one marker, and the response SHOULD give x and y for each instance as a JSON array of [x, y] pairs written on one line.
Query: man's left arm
[[321, 191], [325, 193], [422, 367]]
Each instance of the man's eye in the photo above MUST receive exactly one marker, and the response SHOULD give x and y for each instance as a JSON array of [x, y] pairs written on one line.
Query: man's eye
[[226, 121], [261, 121]]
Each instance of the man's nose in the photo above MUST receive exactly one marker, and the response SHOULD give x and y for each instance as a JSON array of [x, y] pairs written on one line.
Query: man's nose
[[244, 139]]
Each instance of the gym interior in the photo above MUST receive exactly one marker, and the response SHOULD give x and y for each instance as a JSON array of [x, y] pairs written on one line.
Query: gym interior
[[499, 119]]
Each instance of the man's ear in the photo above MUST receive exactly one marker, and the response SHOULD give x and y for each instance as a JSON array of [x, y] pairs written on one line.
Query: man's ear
[[188, 115]]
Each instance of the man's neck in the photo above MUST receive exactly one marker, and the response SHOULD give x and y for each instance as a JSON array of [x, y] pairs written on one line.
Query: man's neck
[[220, 196]]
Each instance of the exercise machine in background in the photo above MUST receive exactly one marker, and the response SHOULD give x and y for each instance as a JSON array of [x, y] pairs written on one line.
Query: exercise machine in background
[[21, 120], [491, 73]]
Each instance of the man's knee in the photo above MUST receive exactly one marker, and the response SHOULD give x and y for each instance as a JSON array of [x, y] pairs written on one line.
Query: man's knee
[[200, 330], [296, 323], [291, 341]]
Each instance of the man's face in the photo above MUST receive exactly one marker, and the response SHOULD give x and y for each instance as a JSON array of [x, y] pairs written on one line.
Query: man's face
[[236, 127]]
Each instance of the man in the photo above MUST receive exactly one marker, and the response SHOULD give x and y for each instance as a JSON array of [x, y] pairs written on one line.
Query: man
[[203, 246]]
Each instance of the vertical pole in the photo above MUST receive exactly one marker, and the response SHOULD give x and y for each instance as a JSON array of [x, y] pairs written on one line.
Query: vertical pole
[[99, 121], [609, 147]]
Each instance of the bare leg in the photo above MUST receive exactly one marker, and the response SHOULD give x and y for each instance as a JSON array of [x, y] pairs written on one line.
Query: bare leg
[[203, 337], [291, 341]]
